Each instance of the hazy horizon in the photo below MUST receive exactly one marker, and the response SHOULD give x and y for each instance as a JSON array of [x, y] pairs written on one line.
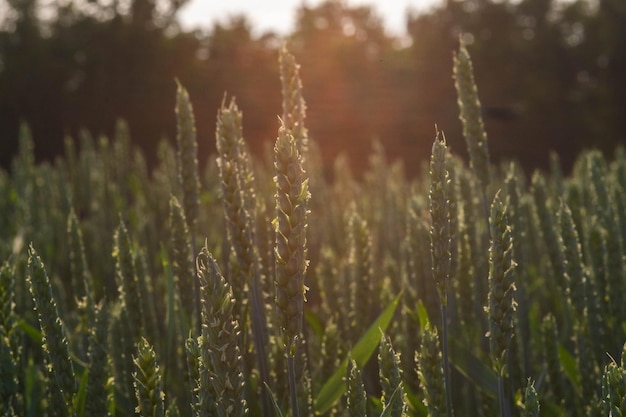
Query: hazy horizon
[[279, 15]]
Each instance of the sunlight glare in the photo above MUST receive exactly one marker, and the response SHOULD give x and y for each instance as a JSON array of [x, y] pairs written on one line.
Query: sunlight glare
[[279, 15]]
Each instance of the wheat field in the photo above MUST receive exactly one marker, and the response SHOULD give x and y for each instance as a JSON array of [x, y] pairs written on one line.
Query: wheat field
[[256, 286]]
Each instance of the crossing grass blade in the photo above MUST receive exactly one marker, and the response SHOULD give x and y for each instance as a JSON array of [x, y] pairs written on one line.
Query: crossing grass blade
[[470, 366], [360, 353]]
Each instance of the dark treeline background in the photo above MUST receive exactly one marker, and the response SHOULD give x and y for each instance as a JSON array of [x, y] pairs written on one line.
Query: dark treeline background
[[551, 76]]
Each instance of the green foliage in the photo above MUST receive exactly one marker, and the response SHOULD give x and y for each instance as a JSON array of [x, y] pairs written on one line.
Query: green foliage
[[187, 157], [292, 195], [430, 373], [614, 390], [97, 384], [360, 354], [147, 381], [531, 402], [221, 381], [501, 304], [9, 349], [366, 240], [356, 398], [294, 107], [55, 344], [391, 379], [128, 281], [181, 257], [440, 232], [471, 115]]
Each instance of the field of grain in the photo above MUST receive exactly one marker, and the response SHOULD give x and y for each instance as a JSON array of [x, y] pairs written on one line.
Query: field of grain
[[258, 286]]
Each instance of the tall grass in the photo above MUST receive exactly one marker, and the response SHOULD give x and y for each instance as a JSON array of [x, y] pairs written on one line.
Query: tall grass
[[108, 326]]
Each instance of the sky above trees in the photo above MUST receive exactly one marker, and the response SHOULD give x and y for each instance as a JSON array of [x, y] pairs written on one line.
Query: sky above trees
[[279, 15]]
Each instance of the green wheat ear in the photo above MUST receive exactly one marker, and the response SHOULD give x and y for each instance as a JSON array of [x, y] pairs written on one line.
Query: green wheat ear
[[470, 115], [430, 373], [441, 244], [192, 354], [441, 241], [182, 262], [147, 382], [360, 271], [614, 390], [294, 107], [127, 279], [96, 400], [237, 196], [187, 156], [78, 263], [291, 196], [356, 397], [531, 402], [220, 358], [391, 378], [55, 343], [501, 287], [574, 266], [9, 343]]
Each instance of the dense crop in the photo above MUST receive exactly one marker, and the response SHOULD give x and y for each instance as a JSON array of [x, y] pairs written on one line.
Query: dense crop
[[473, 290]]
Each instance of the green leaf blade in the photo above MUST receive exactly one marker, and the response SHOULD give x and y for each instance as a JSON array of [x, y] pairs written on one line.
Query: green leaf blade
[[360, 353]]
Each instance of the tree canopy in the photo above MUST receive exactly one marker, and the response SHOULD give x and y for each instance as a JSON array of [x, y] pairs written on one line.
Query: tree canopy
[[550, 76]]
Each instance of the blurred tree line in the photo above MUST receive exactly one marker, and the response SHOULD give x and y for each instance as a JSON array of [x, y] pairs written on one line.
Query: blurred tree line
[[551, 75]]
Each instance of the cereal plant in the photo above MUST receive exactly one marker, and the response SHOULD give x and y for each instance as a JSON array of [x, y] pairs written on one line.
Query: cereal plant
[[257, 287]]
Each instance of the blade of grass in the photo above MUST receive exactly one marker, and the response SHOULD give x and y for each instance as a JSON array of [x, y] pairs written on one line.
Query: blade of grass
[[360, 353], [81, 394], [31, 332], [473, 369], [570, 368]]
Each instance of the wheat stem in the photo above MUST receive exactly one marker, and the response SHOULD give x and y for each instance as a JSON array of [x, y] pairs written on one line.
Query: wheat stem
[[291, 196], [441, 245]]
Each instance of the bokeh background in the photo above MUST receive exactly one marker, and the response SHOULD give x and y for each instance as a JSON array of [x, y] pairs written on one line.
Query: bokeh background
[[551, 76]]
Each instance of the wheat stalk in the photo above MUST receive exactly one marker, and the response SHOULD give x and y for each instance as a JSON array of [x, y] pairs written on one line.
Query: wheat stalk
[[291, 197], [187, 156], [531, 402], [552, 237], [55, 343], [9, 347], [181, 258], [614, 390], [361, 283], [501, 304], [220, 358], [431, 373], [127, 279], [188, 177], [391, 379], [553, 365], [441, 244], [239, 205], [471, 115], [81, 277], [356, 398], [294, 107], [96, 398], [290, 225], [147, 382]]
